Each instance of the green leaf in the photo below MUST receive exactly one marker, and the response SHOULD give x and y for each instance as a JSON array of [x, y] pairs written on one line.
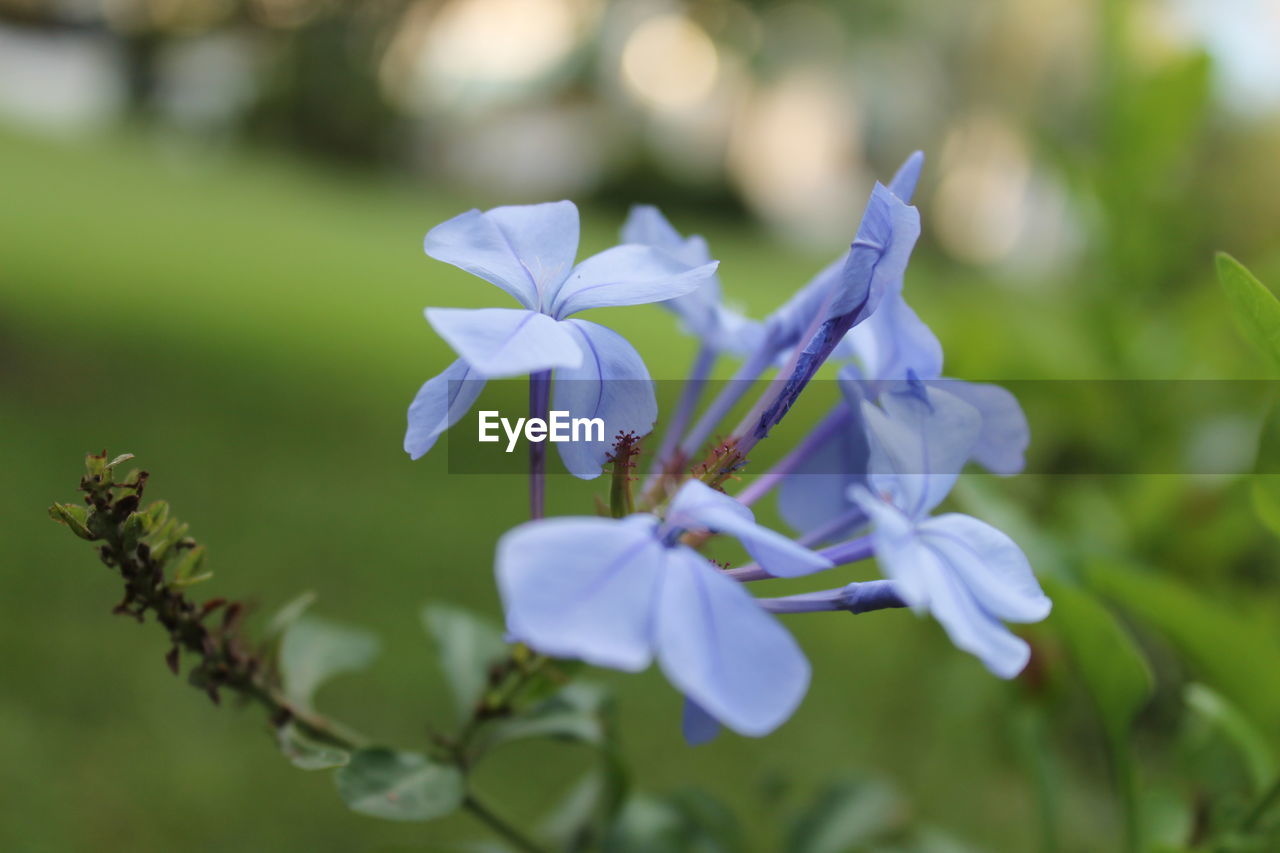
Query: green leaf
[[847, 814], [1217, 711], [306, 753], [396, 785], [1255, 308], [1230, 653], [468, 646], [123, 457], [646, 824], [1113, 668], [189, 569], [1118, 678], [73, 516], [291, 612], [314, 650]]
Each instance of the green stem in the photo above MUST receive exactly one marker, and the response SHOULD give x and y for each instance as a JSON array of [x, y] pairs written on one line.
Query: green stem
[[500, 826]]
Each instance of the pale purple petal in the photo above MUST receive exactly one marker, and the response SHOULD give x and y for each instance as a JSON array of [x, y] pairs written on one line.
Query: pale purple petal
[[583, 588], [719, 648], [627, 275], [646, 226], [894, 342], [527, 250], [611, 383], [701, 311], [973, 629], [920, 438], [990, 564], [898, 550], [904, 180], [878, 258], [500, 342], [933, 575], [439, 404], [697, 726], [698, 506], [817, 492], [1002, 444]]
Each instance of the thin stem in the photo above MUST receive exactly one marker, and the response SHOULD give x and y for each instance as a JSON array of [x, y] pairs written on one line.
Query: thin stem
[[734, 390], [855, 598], [486, 816], [848, 518], [850, 551], [745, 431], [839, 418], [539, 403], [683, 412]]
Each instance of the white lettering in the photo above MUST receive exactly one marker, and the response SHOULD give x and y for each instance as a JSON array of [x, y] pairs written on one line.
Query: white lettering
[[513, 434], [559, 427], [587, 425], [486, 425]]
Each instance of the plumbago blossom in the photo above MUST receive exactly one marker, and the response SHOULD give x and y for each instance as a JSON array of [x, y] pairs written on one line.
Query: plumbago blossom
[[529, 252], [631, 589], [618, 592]]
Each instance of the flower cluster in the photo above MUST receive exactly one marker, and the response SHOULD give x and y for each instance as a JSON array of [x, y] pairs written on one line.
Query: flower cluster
[[622, 592]]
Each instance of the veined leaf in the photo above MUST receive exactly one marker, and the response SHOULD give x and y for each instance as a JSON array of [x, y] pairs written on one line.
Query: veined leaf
[[393, 785]]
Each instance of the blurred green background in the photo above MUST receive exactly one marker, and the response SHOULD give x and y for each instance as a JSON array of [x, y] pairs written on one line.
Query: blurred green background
[[211, 215]]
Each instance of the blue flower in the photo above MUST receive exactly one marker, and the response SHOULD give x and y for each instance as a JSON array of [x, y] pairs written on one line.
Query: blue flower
[[971, 577], [618, 593], [702, 312], [893, 339], [529, 252]]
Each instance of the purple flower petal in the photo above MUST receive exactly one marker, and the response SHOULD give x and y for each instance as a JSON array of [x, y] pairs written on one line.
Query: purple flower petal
[[1002, 444], [894, 342], [439, 404], [583, 588], [920, 438], [904, 180], [500, 342], [697, 505], [626, 275], [527, 250], [719, 648], [990, 564], [611, 383], [697, 726]]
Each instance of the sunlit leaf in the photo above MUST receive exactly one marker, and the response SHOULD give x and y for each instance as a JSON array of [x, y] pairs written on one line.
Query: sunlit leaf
[[1255, 308], [73, 516]]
